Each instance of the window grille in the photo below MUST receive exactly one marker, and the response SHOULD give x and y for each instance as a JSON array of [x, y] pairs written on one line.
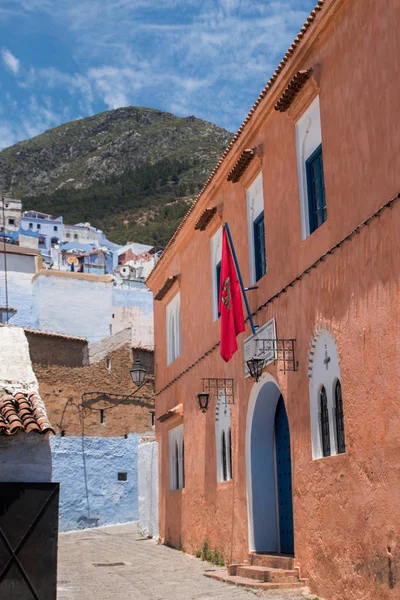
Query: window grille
[[260, 259], [324, 416], [316, 189], [341, 443]]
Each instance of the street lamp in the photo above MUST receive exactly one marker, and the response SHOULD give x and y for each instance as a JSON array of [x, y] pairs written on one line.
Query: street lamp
[[138, 372], [255, 366], [203, 398]]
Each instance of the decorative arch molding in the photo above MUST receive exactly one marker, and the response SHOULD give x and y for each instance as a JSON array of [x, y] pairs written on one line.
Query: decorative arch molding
[[323, 374]]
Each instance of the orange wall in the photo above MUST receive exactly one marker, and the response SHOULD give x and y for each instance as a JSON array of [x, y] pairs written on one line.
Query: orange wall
[[345, 507]]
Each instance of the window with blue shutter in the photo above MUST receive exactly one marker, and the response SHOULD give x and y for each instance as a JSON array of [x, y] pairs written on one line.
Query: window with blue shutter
[[218, 280], [316, 189], [260, 259]]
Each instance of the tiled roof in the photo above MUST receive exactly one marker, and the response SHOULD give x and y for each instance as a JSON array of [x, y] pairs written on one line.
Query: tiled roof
[[177, 410], [293, 88], [166, 287], [240, 165], [22, 411], [296, 43], [205, 218], [43, 332]]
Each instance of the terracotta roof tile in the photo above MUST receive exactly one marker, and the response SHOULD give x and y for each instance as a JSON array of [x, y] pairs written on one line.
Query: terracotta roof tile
[[296, 42], [23, 411], [293, 88], [166, 287], [205, 218], [241, 165]]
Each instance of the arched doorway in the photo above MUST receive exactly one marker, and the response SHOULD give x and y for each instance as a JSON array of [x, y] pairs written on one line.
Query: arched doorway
[[268, 470]]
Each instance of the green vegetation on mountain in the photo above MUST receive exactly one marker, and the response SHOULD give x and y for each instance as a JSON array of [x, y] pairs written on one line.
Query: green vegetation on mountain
[[132, 172]]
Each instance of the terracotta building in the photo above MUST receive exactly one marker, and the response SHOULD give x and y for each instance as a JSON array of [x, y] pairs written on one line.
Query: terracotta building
[[305, 461]]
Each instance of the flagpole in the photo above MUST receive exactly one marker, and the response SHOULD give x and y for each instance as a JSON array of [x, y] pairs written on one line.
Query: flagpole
[[228, 231]]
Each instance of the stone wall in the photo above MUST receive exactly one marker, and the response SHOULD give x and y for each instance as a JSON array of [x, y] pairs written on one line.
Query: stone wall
[[87, 469], [102, 348], [62, 387], [55, 350]]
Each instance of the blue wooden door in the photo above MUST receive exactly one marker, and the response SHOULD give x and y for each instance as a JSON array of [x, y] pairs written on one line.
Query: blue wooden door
[[284, 478]]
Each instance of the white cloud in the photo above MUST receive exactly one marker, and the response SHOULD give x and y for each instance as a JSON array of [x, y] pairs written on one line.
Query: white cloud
[[208, 58], [10, 61]]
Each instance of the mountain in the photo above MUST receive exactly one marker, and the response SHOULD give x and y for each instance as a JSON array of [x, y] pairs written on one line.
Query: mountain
[[132, 172]]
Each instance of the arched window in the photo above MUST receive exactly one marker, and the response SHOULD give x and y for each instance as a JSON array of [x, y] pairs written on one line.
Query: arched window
[[326, 408], [176, 458], [224, 458], [339, 420], [173, 329], [324, 419], [223, 439]]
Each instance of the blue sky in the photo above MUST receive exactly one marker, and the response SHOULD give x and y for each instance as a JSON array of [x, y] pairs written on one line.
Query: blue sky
[[65, 59]]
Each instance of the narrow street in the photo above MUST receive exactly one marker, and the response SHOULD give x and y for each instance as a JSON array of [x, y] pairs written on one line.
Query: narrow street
[[116, 563]]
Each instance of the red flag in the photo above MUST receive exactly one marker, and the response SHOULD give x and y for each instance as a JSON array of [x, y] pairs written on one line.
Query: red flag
[[230, 303]]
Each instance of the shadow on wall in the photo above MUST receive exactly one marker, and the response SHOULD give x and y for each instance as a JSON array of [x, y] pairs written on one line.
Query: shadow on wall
[[98, 480], [25, 458]]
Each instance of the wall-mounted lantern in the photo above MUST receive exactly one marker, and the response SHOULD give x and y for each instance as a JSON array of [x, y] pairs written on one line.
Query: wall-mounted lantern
[[138, 372], [203, 398], [255, 367]]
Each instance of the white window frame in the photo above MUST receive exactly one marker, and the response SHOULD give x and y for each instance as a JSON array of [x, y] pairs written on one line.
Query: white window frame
[[216, 256], [223, 425], [255, 206], [327, 377], [173, 327], [176, 458], [308, 138]]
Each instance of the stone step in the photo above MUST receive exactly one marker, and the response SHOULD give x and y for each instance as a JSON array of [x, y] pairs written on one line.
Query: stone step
[[266, 574], [274, 561], [252, 583]]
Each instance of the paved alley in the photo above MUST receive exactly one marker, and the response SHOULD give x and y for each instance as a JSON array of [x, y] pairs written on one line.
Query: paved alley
[[116, 563]]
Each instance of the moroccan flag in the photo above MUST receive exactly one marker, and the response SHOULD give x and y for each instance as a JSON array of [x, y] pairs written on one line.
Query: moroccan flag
[[230, 303]]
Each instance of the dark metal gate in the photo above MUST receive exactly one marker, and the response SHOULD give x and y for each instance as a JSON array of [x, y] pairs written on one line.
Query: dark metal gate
[[28, 541]]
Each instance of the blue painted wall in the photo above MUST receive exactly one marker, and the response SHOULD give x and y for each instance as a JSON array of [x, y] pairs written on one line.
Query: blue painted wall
[[90, 493]]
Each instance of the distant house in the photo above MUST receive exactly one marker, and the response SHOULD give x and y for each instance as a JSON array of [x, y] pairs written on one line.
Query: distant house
[[16, 282], [50, 230], [12, 214], [83, 233]]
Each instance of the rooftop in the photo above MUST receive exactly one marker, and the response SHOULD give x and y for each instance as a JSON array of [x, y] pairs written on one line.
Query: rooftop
[[14, 249]]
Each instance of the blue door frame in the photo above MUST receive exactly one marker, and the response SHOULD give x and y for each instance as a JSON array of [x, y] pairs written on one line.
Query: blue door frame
[[284, 479]]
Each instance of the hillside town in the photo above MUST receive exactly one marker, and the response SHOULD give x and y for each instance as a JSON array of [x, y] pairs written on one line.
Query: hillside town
[[217, 417]]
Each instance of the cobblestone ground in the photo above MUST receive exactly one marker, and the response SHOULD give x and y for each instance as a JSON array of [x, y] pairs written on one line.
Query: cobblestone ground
[[116, 563]]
